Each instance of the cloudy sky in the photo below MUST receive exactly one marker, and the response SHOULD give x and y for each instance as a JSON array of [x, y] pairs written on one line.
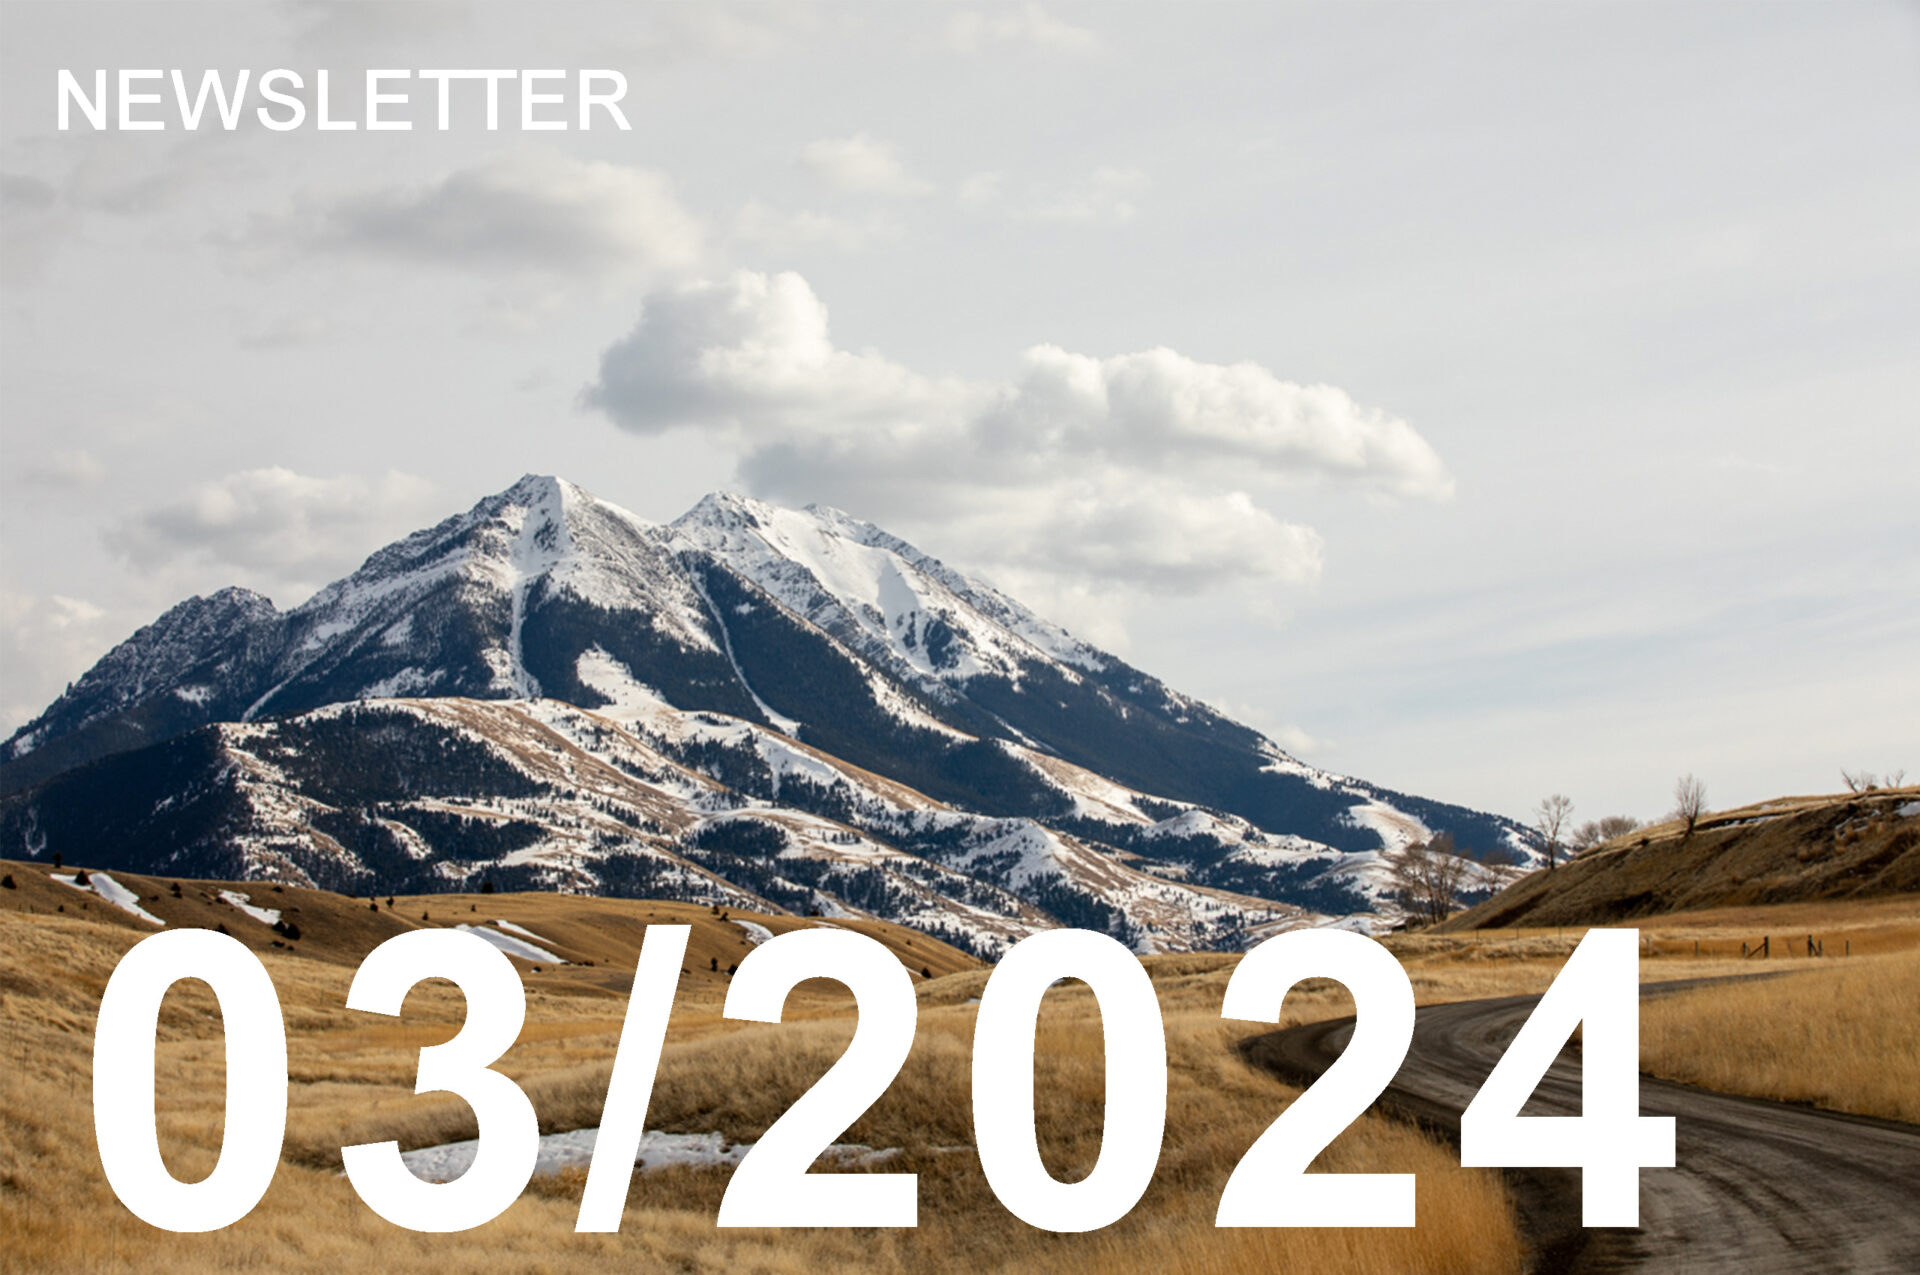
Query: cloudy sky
[[1489, 401]]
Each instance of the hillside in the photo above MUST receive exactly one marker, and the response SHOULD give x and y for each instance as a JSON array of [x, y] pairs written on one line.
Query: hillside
[[1791, 850], [596, 941], [426, 796]]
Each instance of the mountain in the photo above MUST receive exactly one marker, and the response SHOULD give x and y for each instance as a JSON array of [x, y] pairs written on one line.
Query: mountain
[[798, 665]]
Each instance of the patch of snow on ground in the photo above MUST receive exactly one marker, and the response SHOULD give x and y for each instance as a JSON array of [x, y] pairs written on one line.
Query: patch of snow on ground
[[266, 916], [512, 946], [113, 892], [522, 931], [1909, 811], [407, 681], [1038, 851], [892, 701], [830, 906], [756, 933], [600, 671], [574, 1149], [1396, 829], [785, 759]]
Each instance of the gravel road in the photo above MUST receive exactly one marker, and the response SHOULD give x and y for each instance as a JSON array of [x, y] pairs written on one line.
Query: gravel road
[[1759, 1186]]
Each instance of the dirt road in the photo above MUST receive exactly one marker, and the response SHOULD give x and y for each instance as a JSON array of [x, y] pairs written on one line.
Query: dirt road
[[1759, 1186]]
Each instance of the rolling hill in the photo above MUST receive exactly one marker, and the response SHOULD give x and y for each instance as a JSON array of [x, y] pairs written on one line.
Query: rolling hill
[[1790, 850]]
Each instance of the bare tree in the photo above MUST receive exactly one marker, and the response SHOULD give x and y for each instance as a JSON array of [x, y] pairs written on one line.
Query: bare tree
[[1427, 878], [1689, 803], [1503, 865], [1860, 780], [1550, 817], [1597, 832]]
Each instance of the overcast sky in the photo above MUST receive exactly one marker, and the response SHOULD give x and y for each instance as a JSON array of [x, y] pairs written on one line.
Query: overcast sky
[[1487, 401]]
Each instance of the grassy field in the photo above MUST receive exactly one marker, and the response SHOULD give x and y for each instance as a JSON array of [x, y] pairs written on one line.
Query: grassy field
[[1837, 1030], [352, 1078], [1844, 1035]]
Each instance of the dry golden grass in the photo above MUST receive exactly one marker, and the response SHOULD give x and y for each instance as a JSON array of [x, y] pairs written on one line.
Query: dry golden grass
[[353, 1074], [1841, 1035], [1837, 1031], [1789, 850]]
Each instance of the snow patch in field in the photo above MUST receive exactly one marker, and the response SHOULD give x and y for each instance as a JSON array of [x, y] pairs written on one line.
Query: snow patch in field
[[512, 946], [521, 930], [266, 916], [756, 933], [112, 891], [1908, 811], [574, 1150]]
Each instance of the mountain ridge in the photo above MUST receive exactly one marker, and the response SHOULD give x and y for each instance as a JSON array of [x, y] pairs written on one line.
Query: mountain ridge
[[810, 626]]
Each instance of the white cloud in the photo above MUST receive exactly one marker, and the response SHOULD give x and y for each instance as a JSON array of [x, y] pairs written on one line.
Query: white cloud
[[1030, 26], [1120, 524], [1296, 741], [767, 227], [287, 331], [684, 32], [983, 189], [1153, 470], [1288, 735], [1107, 194], [45, 642], [281, 532], [861, 165], [32, 221], [535, 211], [65, 469]]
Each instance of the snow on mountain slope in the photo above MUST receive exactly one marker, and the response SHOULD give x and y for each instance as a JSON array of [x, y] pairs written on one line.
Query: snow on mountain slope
[[447, 610], [426, 795], [878, 594], [856, 692], [196, 663]]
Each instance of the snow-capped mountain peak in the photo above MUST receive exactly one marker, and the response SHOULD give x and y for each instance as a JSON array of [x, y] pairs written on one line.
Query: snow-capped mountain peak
[[883, 597], [751, 638]]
